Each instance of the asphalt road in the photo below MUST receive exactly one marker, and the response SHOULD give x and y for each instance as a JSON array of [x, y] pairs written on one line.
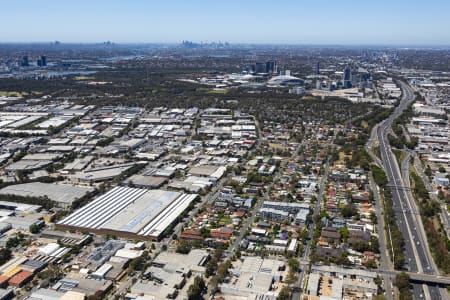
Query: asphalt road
[[304, 259], [384, 260], [417, 257]]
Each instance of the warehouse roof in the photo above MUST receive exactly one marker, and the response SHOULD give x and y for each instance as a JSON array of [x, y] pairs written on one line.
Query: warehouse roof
[[72, 295], [167, 278], [208, 170], [193, 261], [46, 294], [144, 209], [42, 156], [60, 193], [28, 165], [103, 173], [146, 181], [150, 289], [19, 207], [133, 210], [20, 277]]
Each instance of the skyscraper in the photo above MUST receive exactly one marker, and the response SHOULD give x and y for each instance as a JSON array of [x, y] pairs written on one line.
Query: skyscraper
[[24, 62], [271, 66], [44, 60], [260, 67], [347, 78]]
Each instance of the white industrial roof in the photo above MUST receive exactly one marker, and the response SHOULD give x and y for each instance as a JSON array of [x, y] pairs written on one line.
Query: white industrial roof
[[140, 211]]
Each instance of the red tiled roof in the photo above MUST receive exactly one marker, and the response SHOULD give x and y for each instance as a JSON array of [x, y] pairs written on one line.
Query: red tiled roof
[[20, 277], [3, 279], [190, 235]]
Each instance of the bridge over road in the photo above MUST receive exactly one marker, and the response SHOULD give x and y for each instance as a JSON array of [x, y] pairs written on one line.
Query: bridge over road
[[423, 278]]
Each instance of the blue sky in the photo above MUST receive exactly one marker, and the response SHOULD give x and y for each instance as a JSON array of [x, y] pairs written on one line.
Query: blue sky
[[245, 21]]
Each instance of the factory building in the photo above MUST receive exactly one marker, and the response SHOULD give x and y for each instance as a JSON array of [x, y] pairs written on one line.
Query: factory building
[[130, 213]]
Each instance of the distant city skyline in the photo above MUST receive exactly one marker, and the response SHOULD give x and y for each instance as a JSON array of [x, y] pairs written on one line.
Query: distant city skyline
[[325, 22]]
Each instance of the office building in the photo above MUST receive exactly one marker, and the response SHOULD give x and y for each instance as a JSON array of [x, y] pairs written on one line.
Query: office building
[[260, 67], [347, 78], [271, 67], [25, 62]]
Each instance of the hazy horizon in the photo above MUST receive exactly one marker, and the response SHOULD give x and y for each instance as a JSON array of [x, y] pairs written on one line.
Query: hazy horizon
[[346, 23], [324, 45]]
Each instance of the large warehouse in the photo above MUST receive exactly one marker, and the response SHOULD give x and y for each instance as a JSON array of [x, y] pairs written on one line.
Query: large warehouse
[[63, 194], [130, 213]]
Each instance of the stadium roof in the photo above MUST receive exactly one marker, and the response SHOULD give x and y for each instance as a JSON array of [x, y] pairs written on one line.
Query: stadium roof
[[284, 79]]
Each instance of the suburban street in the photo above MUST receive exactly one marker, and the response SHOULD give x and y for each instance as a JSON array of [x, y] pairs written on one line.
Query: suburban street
[[304, 258]]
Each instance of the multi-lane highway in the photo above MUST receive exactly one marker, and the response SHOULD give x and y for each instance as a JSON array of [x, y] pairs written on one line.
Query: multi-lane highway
[[418, 258], [384, 260]]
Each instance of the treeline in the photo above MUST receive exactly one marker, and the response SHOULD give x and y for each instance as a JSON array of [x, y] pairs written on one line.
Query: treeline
[[400, 141], [428, 206], [22, 178], [5, 255], [358, 158], [429, 209], [221, 274], [83, 200], [213, 264], [379, 176], [395, 239], [397, 126], [403, 119], [44, 201], [376, 116], [404, 288], [437, 245]]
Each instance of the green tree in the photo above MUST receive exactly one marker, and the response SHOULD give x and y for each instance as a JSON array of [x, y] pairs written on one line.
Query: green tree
[[344, 233], [183, 247], [205, 232], [276, 228], [293, 264], [51, 274], [195, 290], [5, 255], [404, 288], [371, 264], [379, 176], [137, 264], [428, 171], [35, 228], [285, 293], [349, 211], [374, 244]]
